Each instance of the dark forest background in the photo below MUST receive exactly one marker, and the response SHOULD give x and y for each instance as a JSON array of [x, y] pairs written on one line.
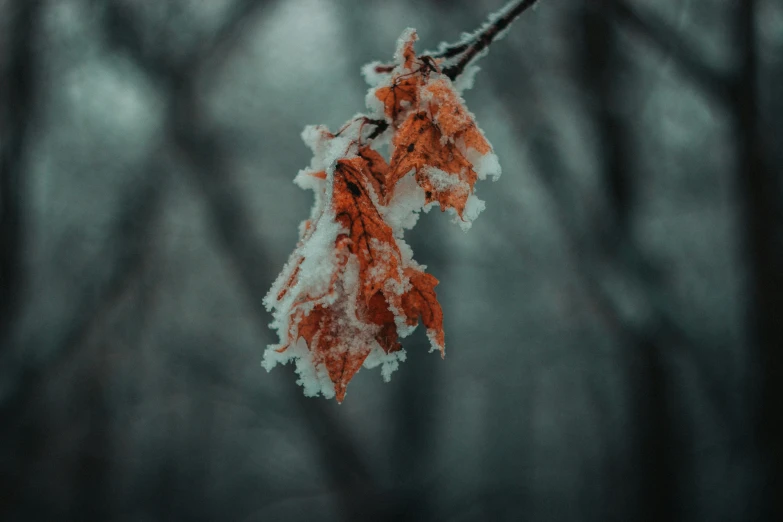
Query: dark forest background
[[613, 319]]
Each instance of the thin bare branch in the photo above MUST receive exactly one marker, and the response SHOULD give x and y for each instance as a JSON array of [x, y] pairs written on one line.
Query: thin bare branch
[[472, 49]]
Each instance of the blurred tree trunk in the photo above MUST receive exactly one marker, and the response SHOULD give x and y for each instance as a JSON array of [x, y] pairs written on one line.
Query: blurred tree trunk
[[17, 90], [651, 415], [20, 432], [416, 403], [93, 477], [761, 193]]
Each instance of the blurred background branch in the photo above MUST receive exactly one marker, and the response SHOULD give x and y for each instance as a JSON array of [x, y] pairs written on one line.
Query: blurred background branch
[[202, 152], [18, 92]]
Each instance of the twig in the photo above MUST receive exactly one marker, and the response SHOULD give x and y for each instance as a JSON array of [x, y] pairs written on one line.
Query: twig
[[471, 49]]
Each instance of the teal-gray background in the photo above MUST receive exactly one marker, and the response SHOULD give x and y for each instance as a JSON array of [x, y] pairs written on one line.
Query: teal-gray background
[[611, 334]]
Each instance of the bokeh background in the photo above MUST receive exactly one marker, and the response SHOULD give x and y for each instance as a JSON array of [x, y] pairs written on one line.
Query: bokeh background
[[613, 319]]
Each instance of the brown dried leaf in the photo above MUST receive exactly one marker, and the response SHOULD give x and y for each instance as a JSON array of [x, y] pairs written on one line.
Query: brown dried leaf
[[421, 300]]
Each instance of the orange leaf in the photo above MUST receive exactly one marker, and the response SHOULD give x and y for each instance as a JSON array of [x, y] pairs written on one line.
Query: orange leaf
[[379, 172], [351, 288], [380, 314], [452, 117], [342, 366], [401, 94], [421, 300], [325, 334], [372, 239], [406, 53], [419, 144]]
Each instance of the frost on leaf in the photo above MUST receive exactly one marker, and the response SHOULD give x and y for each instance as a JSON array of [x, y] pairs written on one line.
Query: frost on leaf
[[351, 289]]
